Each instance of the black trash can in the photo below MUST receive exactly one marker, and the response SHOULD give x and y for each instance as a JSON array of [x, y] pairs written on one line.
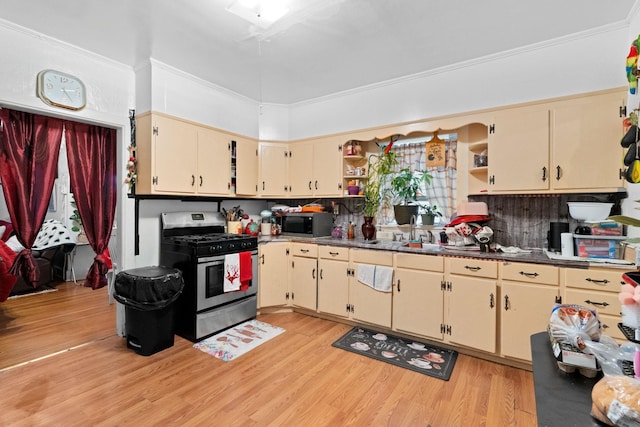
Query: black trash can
[[148, 294]]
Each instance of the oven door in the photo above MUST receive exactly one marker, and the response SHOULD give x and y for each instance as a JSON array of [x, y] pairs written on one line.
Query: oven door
[[210, 282]]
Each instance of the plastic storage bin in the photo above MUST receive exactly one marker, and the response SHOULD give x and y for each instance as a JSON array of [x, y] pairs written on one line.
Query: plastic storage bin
[[148, 294], [589, 246]]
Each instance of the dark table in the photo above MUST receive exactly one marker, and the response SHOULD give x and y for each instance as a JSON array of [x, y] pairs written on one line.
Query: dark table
[[561, 399]]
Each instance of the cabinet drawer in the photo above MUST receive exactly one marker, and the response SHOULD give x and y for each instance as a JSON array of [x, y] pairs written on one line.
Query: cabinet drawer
[[420, 262], [333, 252], [530, 273], [602, 302], [474, 267], [599, 280], [372, 257], [610, 326], [309, 250]]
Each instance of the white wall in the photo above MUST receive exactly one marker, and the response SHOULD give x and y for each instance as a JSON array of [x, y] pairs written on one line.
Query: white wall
[[565, 66]]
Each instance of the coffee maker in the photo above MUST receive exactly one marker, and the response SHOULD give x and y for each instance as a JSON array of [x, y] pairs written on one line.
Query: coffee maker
[[554, 236]]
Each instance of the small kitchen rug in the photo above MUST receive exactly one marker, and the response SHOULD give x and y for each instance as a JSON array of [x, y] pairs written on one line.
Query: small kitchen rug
[[43, 289], [236, 341], [424, 358]]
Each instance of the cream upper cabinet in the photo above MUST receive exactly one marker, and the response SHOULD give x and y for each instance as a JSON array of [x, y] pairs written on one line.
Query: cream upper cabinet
[[214, 159], [314, 168], [246, 166], [528, 293], [333, 280], [274, 274], [274, 160], [167, 153], [301, 169], [586, 152], [366, 303], [418, 295], [519, 150], [470, 300], [327, 168], [304, 275], [559, 146]]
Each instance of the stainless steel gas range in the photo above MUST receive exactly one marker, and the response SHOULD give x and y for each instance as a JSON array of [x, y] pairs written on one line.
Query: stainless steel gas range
[[196, 243]]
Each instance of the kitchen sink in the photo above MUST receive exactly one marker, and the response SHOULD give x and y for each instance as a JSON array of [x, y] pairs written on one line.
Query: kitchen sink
[[425, 246]]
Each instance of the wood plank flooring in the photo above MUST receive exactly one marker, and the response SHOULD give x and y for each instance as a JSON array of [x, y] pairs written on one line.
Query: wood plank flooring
[[296, 379]]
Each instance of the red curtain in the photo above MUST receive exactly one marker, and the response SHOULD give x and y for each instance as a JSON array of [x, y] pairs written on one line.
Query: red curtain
[[29, 148], [91, 152]]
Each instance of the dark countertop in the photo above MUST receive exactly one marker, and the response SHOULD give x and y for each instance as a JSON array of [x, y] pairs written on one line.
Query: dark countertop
[[537, 256], [561, 399]]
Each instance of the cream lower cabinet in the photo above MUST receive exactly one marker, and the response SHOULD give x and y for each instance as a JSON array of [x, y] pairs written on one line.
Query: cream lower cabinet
[[597, 289], [470, 301], [273, 286], [333, 280], [418, 295], [304, 275], [528, 293], [366, 303]]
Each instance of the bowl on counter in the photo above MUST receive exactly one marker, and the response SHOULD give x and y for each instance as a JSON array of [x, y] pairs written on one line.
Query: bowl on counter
[[353, 190], [588, 211]]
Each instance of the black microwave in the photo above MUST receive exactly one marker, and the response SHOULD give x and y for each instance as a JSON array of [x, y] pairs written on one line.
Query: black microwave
[[310, 224]]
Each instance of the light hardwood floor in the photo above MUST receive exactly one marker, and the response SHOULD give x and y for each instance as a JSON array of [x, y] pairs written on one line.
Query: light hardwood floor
[[79, 373]]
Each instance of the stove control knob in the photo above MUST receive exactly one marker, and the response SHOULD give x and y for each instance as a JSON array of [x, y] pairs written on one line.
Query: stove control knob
[[219, 248], [232, 246]]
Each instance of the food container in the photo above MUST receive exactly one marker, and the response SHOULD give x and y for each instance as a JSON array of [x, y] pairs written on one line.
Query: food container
[[589, 246], [353, 190], [587, 211]]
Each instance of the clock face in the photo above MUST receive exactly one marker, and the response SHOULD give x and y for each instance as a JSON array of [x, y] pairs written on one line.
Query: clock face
[[61, 90]]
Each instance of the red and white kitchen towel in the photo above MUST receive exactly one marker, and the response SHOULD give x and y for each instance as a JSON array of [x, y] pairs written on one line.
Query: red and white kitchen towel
[[237, 271]]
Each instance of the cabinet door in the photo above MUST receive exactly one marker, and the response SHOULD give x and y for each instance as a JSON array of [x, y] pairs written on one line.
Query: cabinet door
[[367, 304], [586, 143], [519, 150], [333, 287], [246, 167], [273, 169], [418, 305], [273, 287], [213, 163], [304, 282], [471, 312], [301, 166], [176, 151], [327, 169], [525, 310]]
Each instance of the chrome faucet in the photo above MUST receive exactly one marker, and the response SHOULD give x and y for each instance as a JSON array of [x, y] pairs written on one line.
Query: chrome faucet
[[412, 228]]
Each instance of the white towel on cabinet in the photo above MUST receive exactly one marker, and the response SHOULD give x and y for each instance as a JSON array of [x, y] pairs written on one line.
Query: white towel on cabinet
[[375, 276], [367, 274], [382, 278]]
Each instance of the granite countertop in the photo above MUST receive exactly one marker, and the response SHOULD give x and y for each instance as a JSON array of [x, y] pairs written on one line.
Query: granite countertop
[[536, 256]]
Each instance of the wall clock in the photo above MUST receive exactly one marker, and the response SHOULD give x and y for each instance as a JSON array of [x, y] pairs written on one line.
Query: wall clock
[[61, 90]]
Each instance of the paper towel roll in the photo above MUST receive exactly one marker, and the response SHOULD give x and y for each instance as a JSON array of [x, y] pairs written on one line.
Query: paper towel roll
[[566, 243]]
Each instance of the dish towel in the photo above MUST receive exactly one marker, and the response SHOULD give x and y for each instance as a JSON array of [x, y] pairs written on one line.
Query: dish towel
[[383, 278], [231, 273], [375, 276], [246, 270], [367, 274]]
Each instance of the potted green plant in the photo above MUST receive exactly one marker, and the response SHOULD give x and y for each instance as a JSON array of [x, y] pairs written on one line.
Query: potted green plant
[[375, 192], [428, 213], [405, 186]]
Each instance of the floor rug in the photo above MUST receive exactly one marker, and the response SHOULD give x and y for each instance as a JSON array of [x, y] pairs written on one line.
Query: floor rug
[[424, 358], [43, 289], [236, 341]]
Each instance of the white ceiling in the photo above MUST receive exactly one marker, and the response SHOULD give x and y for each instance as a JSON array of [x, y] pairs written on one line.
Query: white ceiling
[[321, 47]]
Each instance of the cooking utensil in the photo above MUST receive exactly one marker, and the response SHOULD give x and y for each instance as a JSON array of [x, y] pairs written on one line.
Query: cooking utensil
[[225, 339], [244, 340]]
